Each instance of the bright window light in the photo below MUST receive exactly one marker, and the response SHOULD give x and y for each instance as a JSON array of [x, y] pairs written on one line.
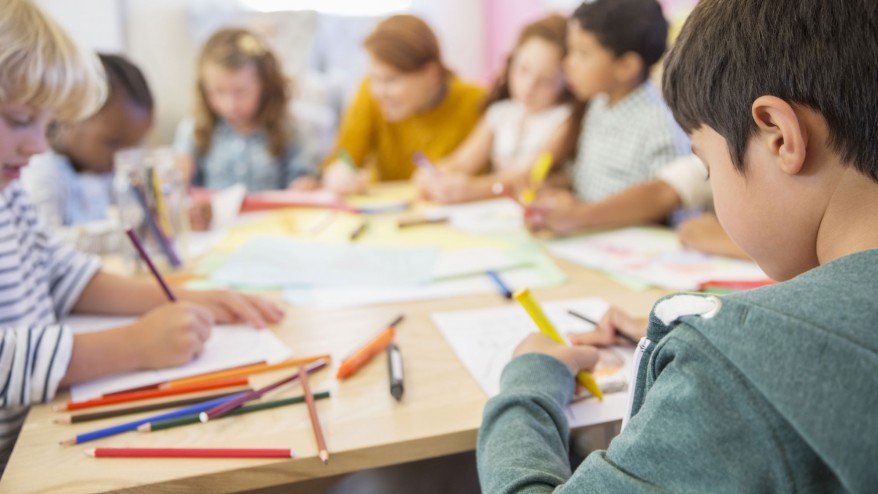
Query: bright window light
[[333, 7]]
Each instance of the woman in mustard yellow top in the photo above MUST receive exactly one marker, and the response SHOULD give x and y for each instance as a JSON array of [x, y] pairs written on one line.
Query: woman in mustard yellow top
[[409, 103]]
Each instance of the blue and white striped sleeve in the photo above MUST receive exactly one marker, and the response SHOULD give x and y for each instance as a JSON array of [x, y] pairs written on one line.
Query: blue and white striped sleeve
[[33, 360], [69, 273]]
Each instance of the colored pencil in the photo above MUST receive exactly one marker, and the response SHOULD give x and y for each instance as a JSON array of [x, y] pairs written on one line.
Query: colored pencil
[[365, 353], [421, 220], [594, 323], [735, 284], [227, 407], [134, 424], [501, 286], [533, 309], [421, 161], [242, 371], [87, 417], [190, 453], [193, 418], [359, 230], [152, 393], [312, 414], [537, 176], [161, 238], [155, 272]]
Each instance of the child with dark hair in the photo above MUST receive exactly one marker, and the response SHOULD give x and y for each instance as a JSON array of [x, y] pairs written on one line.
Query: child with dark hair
[[769, 390], [627, 133], [72, 183]]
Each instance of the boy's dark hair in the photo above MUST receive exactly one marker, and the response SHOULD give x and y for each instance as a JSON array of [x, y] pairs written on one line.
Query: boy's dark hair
[[811, 53], [122, 75], [623, 26]]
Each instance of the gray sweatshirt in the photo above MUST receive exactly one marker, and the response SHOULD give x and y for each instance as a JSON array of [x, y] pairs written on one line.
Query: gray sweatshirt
[[770, 390]]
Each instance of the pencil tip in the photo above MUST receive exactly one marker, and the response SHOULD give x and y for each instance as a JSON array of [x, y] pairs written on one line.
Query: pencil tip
[[90, 452], [145, 428], [203, 417], [59, 408], [324, 456], [63, 420], [68, 442]]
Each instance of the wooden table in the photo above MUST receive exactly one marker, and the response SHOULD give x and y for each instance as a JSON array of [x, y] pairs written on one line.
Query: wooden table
[[364, 426]]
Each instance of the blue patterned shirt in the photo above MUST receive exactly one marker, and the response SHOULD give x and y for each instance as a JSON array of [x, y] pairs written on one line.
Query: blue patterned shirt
[[246, 159]]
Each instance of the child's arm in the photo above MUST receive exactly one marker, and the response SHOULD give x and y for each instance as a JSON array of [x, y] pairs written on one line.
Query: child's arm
[[473, 155], [705, 234], [560, 213], [115, 295], [168, 336]]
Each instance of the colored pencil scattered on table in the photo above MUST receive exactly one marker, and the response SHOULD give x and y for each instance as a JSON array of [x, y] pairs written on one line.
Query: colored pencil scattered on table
[[152, 393], [242, 371], [227, 407], [190, 453], [312, 414]]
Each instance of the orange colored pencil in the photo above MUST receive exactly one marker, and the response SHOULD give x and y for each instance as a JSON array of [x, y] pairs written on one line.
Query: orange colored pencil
[[377, 344], [152, 393], [241, 371]]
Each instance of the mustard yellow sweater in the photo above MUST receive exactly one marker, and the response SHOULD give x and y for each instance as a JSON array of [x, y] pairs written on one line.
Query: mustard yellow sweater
[[388, 147]]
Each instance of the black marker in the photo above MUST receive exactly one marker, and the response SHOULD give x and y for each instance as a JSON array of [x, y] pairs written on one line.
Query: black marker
[[394, 368]]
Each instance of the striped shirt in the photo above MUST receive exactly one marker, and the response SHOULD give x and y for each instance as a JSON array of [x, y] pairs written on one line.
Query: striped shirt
[[625, 144], [40, 281]]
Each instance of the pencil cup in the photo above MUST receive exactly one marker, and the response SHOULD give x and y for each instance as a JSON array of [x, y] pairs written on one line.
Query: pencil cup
[[150, 196]]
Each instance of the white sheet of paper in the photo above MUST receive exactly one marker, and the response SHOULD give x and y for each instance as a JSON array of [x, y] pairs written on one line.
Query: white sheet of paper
[[276, 262], [493, 216], [653, 255], [228, 346], [484, 340], [478, 261], [226, 205]]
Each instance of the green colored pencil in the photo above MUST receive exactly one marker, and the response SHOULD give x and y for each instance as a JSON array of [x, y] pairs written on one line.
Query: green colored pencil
[[345, 157], [193, 418]]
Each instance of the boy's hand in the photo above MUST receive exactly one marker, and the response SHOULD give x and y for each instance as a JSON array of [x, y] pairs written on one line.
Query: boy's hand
[[576, 358], [340, 179], [555, 210], [232, 307], [170, 335], [606, 333]]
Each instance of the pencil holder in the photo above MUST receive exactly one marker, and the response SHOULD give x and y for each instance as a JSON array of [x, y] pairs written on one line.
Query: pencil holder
[[150, 196]]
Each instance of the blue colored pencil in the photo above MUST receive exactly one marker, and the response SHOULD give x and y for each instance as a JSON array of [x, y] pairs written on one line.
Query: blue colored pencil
[[133, 425], [504, 290]]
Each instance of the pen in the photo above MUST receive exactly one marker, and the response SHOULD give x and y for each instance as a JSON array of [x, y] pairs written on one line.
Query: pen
[[504, 290], [394, 368], [539, 317], [345, 158], [594, 323], [421, 161], [358, 230], [354, 362]]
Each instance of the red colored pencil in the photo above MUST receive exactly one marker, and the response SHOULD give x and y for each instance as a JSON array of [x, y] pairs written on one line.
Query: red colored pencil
[[377, 344], [190, 453], [152, 393], [735, 284], [312, 414], [230, 405]]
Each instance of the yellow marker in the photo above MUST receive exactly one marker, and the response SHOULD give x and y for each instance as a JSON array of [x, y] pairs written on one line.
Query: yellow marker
[[537, 176], [539, 317]]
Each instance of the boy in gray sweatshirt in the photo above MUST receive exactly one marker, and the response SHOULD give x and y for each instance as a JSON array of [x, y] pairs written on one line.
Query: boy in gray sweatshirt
[[771, 390]]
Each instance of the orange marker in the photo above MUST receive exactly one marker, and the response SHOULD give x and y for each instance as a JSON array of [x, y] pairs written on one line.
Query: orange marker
[[378, 344]]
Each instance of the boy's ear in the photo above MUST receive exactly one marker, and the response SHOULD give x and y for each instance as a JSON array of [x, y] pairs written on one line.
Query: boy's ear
[[629, 67], [781, 132]]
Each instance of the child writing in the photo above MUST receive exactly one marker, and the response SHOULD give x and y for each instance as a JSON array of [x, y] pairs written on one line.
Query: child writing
[[43, 77], [527, 112], [409, 103], [769, 390], [627, 133], [72, 183], [242, 131]]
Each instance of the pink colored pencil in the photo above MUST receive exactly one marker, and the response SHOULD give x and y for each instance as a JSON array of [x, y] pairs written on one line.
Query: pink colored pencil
[[230, 405], [190, 453]]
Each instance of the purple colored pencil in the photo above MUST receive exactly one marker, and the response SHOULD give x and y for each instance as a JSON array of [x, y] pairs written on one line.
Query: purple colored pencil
[[232, 404], [155, 272]]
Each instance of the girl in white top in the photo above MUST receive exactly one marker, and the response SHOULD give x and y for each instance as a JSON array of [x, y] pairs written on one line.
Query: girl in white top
[[528, 112]]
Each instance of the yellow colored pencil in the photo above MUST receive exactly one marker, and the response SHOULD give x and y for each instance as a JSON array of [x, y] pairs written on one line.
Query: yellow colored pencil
[[537, 175], [546, 327]]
